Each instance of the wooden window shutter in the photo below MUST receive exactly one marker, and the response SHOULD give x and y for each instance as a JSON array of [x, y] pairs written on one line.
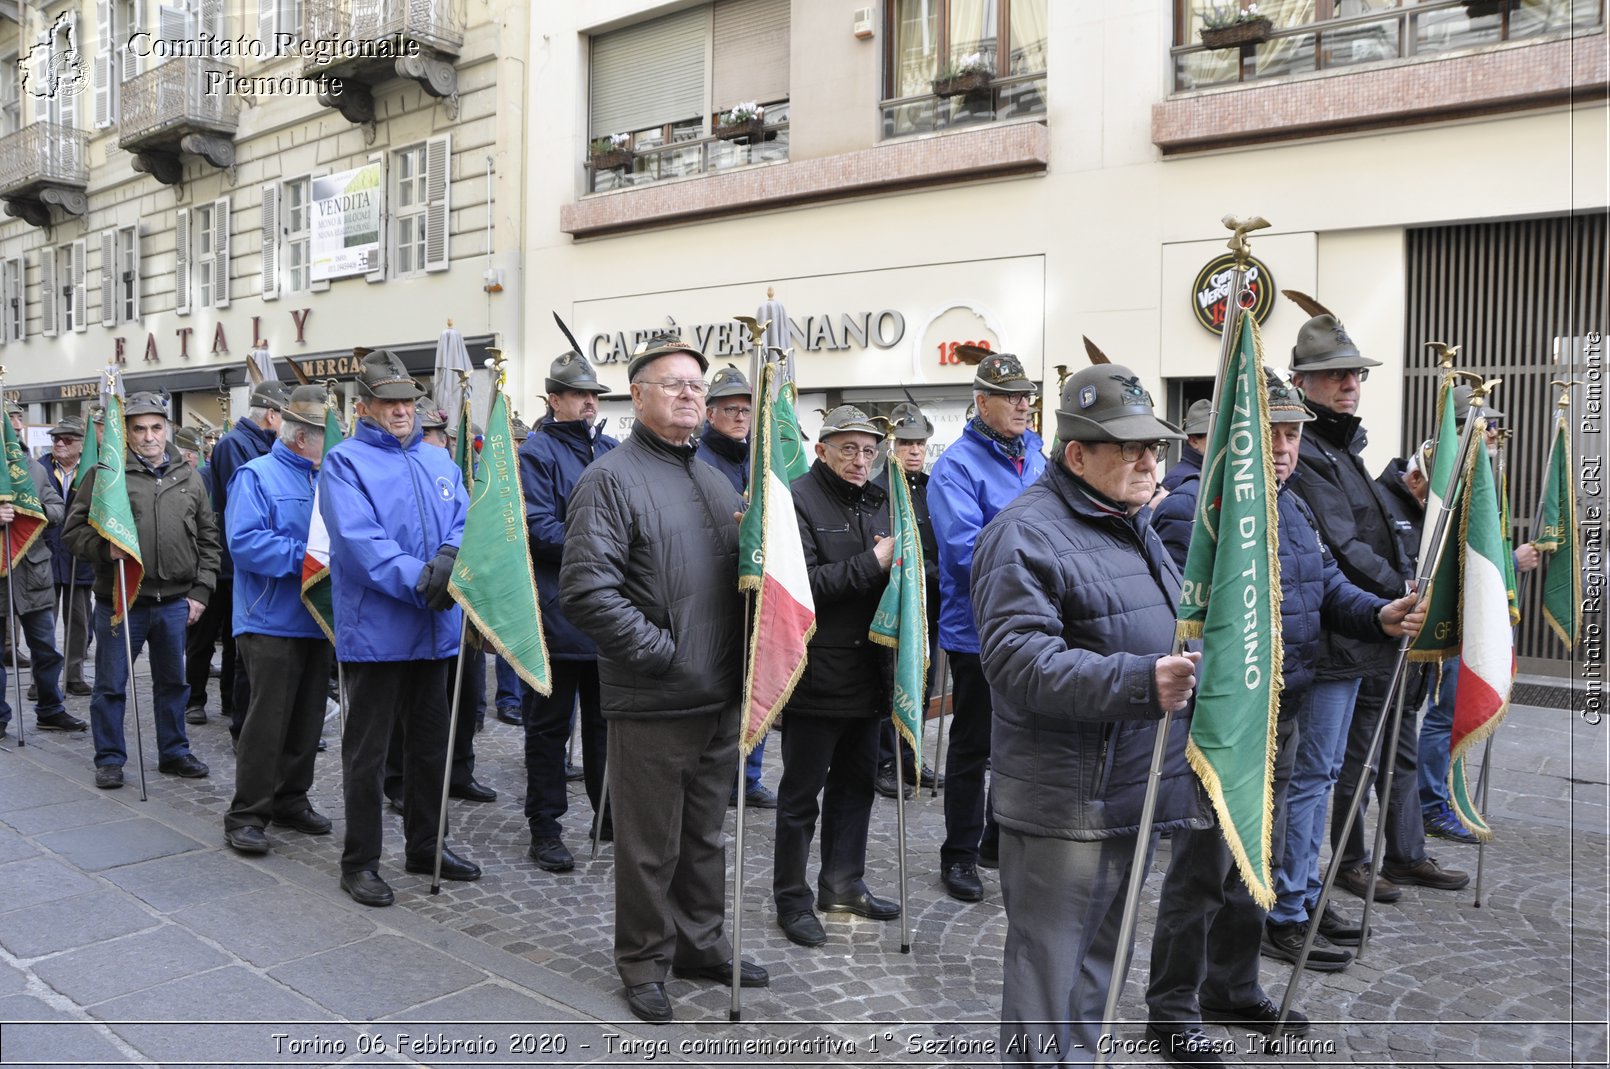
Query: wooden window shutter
[[47, 291], [109, 289], [438, 181], [271, 240], [181, 268], [220, 251]]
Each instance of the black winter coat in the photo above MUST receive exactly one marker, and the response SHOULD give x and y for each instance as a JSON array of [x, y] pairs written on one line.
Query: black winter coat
[[1074, 605], [551, 460], [1357, 527], [844, 670], [245, 442], [1189, 466], [650, 574], [726, 455]]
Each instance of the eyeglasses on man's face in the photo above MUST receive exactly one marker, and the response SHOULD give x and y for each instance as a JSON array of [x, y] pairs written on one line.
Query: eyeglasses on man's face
[[849, 451], [1339, 374], [736, 411], [1131, 451], [1027, 397], [675, 387]]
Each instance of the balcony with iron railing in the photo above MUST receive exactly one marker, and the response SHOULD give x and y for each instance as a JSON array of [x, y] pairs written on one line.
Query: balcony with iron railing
[[368, 42], [181, 105], [648, 157], [1413, 61], [42, 164]]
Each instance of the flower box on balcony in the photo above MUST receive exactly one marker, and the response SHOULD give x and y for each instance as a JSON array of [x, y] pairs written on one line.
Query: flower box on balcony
[[753, 129], [960, 85], [1237, 34], [611, 160], [1480, 8]]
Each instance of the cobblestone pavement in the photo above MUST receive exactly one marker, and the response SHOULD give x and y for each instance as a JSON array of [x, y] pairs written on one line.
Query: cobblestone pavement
[[136, 914]]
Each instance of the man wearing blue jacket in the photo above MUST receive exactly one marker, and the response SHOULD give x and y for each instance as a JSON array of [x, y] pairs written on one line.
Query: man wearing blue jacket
[[395, 511], [994, 460], [551, 460], [265, 526]]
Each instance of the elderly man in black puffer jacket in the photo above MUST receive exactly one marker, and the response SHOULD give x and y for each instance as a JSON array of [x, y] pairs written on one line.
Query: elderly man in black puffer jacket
[[1074, 597], [830, 725], [650, 573]]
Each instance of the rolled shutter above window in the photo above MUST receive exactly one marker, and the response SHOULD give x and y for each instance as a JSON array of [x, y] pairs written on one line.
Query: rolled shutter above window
[[751, 52], [649, 74]]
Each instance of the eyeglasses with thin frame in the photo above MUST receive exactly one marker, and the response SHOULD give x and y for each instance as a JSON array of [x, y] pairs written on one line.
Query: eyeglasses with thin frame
[[1339, 374], [736, 411], [849, 451], [1131, 451], [1027, 397], [674, 387]]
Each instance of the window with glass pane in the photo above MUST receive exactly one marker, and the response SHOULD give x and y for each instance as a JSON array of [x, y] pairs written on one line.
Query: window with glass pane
[[64, 288], [931, 37], [410, 210], [128, 279], [202, 226], [298, 234]]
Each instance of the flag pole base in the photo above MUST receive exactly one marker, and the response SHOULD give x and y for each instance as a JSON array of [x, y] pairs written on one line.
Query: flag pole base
[[733, 1016], [905, 948]]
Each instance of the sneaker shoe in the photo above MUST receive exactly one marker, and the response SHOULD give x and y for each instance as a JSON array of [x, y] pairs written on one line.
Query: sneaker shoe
[[1355, 879], [1185, 1044], [758, 797], [189, 766], [551, 855], [1427, 873], [108, 777], [63, 721], [1284, 942], [1260, 1018], [1341, 932], [1441, 823], [195, 714]]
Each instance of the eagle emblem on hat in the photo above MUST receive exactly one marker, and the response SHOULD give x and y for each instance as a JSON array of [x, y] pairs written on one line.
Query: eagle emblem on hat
[[1087, 396], [1132, 389]]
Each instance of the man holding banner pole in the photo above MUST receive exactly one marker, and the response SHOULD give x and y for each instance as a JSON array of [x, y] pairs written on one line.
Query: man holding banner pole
[[1075, 601]]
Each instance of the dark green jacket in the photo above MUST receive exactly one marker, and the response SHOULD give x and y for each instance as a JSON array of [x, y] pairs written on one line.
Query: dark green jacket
[[178, 532]]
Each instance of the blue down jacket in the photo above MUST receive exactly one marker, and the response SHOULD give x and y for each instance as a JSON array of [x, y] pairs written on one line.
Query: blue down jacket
[[389, 506], [1075, 604], [551, 460], [265, 527], [243, 444], [1315, 597], [971, 481]]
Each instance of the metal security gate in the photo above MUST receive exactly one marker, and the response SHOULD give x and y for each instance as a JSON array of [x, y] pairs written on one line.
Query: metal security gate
[[1512, 296]]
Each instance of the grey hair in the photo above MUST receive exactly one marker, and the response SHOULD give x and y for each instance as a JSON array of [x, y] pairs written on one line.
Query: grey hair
[[291, 430], [257, 414]]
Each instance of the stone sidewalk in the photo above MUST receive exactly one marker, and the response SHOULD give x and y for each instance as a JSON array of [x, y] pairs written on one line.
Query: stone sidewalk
[[129, 935]]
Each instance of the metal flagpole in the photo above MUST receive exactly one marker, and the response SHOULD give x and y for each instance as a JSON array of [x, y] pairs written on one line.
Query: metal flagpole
[[1395, 690], [899, 758], [447, 765], [11, 633], [735, 1011], [603, 805], [341, 688], [128, 656], [1233, 310]]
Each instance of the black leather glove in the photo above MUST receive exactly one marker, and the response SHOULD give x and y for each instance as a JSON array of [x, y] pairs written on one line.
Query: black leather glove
[[432, 585]]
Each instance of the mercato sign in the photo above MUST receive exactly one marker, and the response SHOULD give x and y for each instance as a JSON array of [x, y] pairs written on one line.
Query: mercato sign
[[817, 333]]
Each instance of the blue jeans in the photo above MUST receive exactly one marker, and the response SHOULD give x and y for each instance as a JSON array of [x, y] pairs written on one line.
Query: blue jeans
[[163, 627], [508, 685], [1436, 741], [1321, 742], [40, 630]]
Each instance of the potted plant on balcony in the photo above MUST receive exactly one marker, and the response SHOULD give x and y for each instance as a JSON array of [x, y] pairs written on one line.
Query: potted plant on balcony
[[610, 153], [971, 74], [1476, 9], [746, 120], [1234, 26]]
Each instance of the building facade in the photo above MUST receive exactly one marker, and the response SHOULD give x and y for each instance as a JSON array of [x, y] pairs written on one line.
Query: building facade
[[1021, 173]]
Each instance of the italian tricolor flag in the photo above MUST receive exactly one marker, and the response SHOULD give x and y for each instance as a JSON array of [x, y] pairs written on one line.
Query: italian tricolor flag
[[771, 562], [1487, 646], [316, 561]]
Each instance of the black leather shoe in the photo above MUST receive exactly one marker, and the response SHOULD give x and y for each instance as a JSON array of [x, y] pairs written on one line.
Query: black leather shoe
[[395, 804], [803, 928], [248, 839], [510, 714], [1260, 1018], [1355, 879], [453, 866], [196, 714], [1426, 873], [107, 777], [1342, 933], [62, 721], [885, 785], [989, 854], [551, 855], [1185, 1044], [648, 1003], [749, 974], [962, 882], [189, 766], [473, 792], [758, 797], [78, 688], [309, 822], [367, 888], [866, 904], [1284, 942]]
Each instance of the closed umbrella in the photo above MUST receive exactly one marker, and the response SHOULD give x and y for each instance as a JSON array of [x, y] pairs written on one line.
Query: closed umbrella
[[264, 363], [775, 316], [451, 358]]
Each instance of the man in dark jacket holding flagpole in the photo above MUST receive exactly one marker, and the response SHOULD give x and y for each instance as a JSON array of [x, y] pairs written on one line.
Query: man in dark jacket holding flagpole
[[1075, 601], [552, 458], [650, 573]]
